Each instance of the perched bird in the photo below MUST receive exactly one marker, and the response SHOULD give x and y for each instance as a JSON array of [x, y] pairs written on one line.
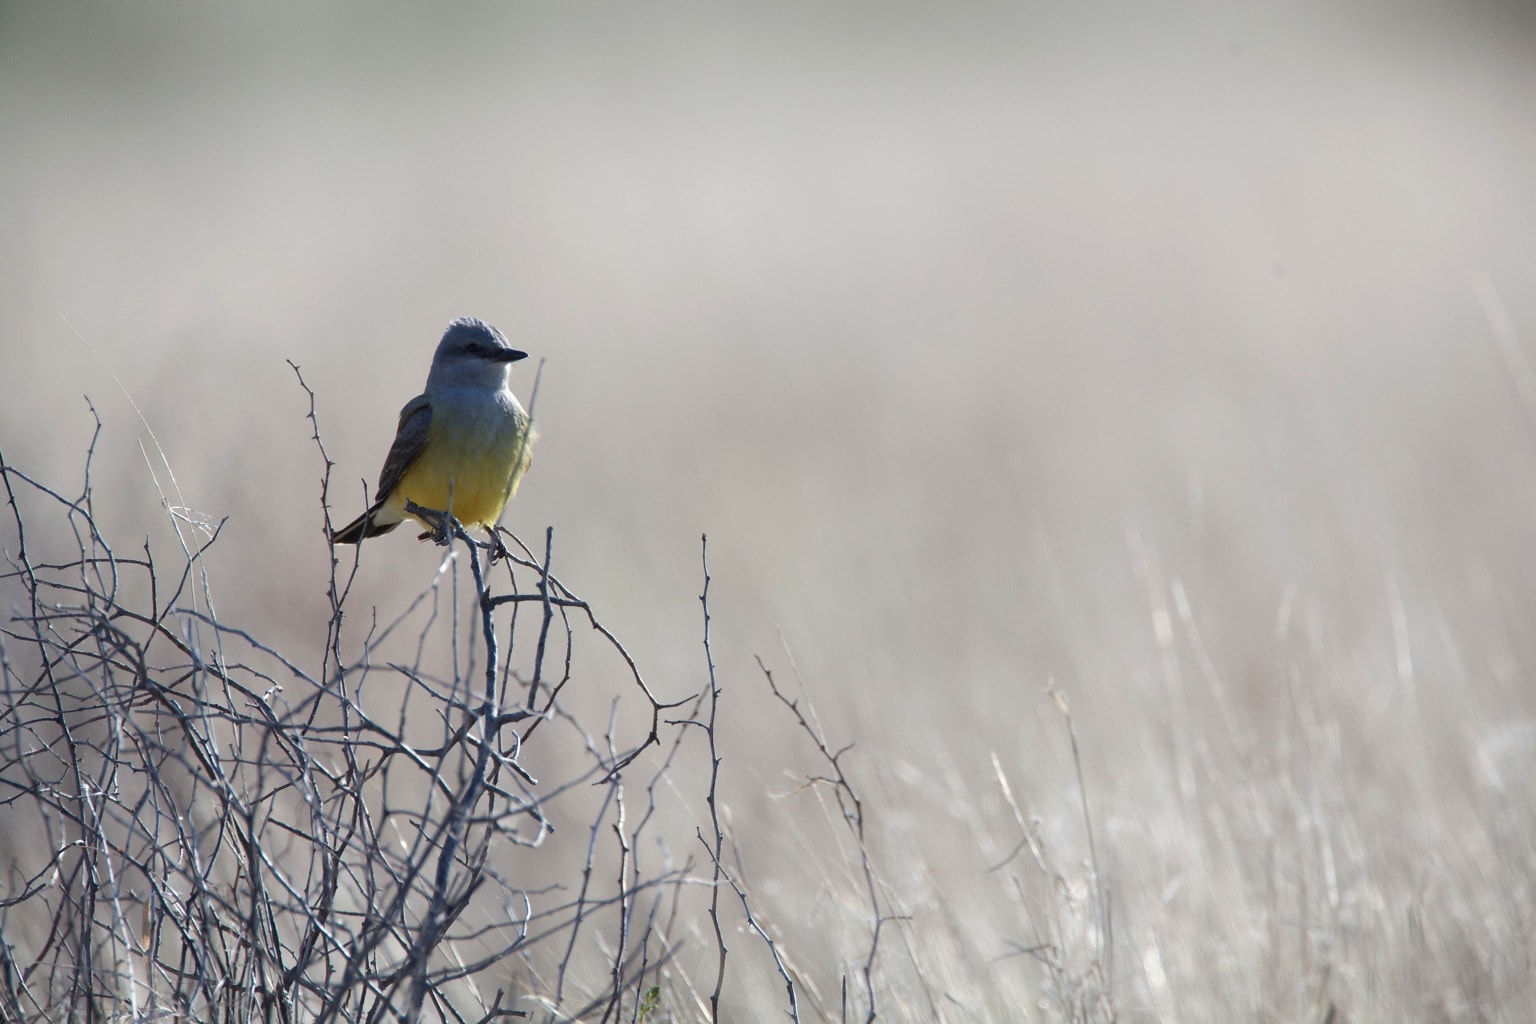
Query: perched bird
[[463, 444]]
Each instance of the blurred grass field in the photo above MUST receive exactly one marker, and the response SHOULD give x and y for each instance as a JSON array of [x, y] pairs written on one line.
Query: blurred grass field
[[1177, 358]]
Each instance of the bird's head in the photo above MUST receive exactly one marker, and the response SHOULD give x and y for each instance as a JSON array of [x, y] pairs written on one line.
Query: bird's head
[[472, 354]]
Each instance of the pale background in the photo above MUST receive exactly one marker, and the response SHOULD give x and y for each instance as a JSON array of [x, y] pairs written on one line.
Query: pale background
[[974, 336]]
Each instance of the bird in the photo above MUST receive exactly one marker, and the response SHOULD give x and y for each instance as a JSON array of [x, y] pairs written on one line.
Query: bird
[[462, 445]]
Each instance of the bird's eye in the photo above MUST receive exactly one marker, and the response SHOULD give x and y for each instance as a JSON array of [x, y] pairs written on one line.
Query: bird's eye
[[473, 348]]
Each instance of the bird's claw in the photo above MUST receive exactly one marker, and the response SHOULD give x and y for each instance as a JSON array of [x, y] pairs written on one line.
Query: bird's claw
[[441, 523]]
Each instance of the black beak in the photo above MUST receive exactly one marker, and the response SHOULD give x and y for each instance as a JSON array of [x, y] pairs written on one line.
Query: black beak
[[508, 355]]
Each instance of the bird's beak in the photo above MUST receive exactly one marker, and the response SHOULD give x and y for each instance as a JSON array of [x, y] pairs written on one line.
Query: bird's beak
[[509, 355]]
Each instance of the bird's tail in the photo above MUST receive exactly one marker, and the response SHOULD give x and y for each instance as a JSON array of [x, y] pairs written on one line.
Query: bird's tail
[[363, 526]]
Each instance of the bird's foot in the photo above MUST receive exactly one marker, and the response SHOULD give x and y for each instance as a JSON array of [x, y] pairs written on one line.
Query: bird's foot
[[442, 523]]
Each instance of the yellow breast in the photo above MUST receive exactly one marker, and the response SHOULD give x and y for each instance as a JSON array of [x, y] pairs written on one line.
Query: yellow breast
[[471, 465]]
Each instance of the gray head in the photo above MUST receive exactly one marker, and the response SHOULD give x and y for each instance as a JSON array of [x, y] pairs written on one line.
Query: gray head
[[473, 354]]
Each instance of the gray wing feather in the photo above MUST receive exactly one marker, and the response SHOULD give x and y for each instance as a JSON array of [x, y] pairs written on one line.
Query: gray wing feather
[[410, 442]]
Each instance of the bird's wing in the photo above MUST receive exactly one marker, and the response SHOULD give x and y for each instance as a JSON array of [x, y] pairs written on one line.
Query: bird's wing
[[410, 441]]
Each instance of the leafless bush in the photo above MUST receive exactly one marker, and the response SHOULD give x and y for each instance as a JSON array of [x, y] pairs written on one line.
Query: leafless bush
[[200, 828]]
